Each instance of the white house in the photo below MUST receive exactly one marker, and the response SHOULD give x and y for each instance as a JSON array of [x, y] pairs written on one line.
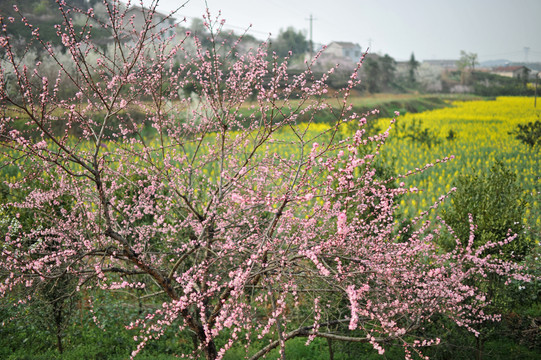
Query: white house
[[343, 49], [518, 72]]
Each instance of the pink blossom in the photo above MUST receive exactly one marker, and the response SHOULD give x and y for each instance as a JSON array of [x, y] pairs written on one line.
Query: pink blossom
[[213, 202], [66, 39], [341, 224], [41, 145]]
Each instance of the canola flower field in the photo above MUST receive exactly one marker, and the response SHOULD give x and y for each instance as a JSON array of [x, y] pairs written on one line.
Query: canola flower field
[[480, 137]]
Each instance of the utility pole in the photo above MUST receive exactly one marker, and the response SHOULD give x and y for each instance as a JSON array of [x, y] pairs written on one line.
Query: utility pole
[[311, 19], [536, 81]]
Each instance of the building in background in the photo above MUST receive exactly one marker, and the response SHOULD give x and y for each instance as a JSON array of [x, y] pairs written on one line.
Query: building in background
[[342, 49]]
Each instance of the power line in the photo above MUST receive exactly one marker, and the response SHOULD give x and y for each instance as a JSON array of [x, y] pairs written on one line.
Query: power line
[[311, 19], [227, 25]]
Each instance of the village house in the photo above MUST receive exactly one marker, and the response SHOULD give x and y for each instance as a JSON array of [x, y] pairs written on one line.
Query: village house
[[517, 72], [341, 49]]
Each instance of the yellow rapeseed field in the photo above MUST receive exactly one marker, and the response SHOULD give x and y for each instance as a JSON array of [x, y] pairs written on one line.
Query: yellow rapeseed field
[[481, 137]]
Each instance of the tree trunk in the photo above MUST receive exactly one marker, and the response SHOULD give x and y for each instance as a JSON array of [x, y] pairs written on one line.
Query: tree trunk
[[58, 322], [210, 351], [331, 352], [200, 339], [59, 342], [479, 348]]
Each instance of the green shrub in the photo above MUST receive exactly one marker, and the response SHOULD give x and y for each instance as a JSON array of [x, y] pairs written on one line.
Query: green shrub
[[529, 134], [496, 205]]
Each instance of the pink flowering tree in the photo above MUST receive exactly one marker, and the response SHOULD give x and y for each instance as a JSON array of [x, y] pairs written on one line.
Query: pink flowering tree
[[226, 209]]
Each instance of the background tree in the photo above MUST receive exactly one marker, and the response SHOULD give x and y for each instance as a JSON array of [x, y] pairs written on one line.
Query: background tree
[[388, 69], [198, 28], [378, 73], [236, 221], [290, 40], [525, 76], [412, 68], [372, 74], [466, 66]]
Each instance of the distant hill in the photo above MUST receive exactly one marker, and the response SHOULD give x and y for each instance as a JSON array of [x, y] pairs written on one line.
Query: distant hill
[[495, 63], [503, 62], [38, 8], [42, 14], [533, 66]]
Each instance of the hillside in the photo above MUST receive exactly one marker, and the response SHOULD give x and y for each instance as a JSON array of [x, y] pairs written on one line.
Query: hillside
[[42, 14]]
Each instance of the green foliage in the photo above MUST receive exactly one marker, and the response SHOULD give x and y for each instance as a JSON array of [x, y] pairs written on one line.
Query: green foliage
[[417, 133], [516, 336], [378, 73], [460, 344], [290, 40], [486, 84], [451, 135], [412, 68], [371, 69], [466, 66], [496, 204], [23, 336], [529, 134], [318, 349], [467, 60]]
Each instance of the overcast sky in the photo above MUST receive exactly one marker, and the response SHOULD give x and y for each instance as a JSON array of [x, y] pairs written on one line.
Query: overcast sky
[[431, 29]]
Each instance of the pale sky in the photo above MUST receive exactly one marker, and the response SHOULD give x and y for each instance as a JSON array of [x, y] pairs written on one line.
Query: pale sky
[[431, 29]]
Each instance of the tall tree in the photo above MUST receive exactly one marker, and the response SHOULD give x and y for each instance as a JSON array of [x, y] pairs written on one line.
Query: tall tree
[[372, 72], [388, 68], [237, 221], [290, 40], [466, 65], [412, 67], [378, 73]]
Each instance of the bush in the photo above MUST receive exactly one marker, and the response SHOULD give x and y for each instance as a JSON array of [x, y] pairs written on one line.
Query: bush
[[496, 204], [529, 134]]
